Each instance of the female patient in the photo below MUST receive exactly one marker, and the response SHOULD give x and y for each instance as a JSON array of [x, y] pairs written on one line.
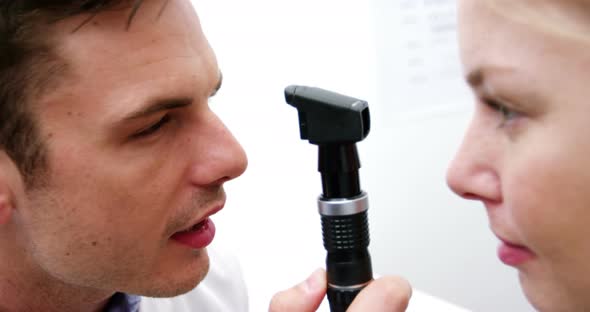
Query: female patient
[[525, 155]]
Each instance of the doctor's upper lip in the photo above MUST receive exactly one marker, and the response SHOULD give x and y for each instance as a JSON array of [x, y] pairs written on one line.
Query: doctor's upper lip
[[210, 211]]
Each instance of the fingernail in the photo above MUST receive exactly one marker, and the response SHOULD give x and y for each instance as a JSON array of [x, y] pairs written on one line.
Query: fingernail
[[314, 282]]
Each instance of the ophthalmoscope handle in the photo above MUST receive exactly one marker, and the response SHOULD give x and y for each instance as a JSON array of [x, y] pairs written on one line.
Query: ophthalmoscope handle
[[346, 239]]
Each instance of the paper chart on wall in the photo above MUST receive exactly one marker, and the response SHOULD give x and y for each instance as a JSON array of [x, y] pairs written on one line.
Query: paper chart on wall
[[417, 49]]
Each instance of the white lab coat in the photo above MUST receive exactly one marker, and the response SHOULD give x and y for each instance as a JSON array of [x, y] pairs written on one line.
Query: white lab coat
[[224, 290]]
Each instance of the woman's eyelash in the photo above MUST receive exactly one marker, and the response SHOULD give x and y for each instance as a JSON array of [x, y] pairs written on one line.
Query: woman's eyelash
[[153, 128], [507, 113]]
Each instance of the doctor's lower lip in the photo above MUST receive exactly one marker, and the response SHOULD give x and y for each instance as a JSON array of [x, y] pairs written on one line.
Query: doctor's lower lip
[[514, 255], [198, 237]]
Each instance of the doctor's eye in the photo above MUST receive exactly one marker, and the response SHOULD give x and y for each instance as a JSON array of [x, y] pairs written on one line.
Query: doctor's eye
[[153, 128]]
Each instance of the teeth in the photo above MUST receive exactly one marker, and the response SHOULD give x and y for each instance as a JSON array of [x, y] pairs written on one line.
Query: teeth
[[195, 227]]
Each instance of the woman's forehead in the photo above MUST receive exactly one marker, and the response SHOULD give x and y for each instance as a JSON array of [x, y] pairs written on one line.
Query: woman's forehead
[[565, 18]]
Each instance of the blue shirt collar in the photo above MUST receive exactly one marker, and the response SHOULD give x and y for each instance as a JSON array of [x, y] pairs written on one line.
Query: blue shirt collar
[[121, 302]]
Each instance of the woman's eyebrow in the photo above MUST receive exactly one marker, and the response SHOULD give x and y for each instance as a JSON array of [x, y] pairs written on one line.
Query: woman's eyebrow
[[477, 76]]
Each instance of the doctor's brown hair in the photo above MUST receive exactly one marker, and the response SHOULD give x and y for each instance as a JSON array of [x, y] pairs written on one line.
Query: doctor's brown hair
[[29, 66]]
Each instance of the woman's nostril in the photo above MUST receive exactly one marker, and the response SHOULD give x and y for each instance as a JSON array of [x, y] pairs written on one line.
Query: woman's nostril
[[470, 196]]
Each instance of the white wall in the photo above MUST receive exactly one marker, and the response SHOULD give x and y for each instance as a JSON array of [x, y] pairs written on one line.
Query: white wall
[[401, 56]]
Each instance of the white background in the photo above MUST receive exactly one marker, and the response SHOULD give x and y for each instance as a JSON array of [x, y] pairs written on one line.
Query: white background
[[401, 56]]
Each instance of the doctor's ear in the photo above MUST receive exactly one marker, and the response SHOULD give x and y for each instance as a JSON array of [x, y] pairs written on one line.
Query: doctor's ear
[[10, 182], [6, 207]]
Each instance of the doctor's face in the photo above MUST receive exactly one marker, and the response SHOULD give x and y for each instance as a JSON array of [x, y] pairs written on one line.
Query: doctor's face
[[136, 159], [525, 154]]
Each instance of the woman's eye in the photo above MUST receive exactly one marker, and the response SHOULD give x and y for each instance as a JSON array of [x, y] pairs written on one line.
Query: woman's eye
[[506, 113], [153, 128]]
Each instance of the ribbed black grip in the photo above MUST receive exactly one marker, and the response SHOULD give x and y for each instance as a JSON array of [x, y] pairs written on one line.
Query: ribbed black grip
[[341, 299], [346, 239], [346, 232]]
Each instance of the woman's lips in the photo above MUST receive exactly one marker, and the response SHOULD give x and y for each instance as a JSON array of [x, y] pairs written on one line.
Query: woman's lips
[[514, 255], [198, 237]]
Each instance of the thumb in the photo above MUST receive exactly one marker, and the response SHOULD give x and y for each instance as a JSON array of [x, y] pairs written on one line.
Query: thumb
[[304, 297], [388, 293]]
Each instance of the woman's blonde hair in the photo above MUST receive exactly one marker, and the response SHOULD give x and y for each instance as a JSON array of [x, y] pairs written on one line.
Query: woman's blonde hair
[[562, 18]]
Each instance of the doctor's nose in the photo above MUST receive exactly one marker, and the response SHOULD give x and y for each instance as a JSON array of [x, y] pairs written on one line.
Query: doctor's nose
[[219, 156]]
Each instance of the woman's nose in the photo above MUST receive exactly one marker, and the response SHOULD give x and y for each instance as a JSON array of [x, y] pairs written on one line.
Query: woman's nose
[[473, 172]]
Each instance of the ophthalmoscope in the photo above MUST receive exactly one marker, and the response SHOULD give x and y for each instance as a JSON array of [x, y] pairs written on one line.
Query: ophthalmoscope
[[335, 123]]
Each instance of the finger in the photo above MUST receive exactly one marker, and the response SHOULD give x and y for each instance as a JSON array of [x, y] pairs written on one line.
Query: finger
[[388, 293], [305, 297]]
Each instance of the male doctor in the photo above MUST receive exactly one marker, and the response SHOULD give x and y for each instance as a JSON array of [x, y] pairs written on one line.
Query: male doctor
[[111, 164]]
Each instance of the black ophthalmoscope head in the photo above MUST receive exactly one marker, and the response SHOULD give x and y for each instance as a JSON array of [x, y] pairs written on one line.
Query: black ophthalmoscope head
[[334, 122], [326, 117]]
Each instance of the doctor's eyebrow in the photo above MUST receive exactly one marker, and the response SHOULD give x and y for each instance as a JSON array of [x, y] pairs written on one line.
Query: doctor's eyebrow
[[162, 104], [97, 6], [159, 105]]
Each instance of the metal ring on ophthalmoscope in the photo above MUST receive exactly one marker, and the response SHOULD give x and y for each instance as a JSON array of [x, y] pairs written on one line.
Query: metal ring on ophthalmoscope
[[343, 206]]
